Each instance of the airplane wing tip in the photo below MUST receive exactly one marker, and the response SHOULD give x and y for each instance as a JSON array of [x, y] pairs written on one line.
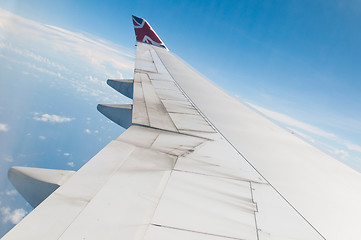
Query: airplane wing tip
[[145, 33]]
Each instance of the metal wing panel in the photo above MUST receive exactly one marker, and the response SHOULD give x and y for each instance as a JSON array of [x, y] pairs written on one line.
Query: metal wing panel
[[145, 61], [125, 204], [206, 204], [161, 97], [323, 189], [272, 210], [167, 142], [151, 111], [217, 158], [211, 164], [140, 114], [163, 233]]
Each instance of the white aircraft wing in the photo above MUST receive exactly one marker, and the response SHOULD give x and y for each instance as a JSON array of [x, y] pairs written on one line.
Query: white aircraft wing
[[194, 163]]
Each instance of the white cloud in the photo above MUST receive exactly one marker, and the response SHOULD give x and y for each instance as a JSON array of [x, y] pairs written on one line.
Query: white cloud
[[66, 154], [292, 122], [51, 118], [102, 52], [310, 129], [11, 192], [342, 153], [8, 158], [87, 131], [4, 127], [352, 146], [71, 164], [34, 56], [33, 66], [301, 134], [92, 79], [14, 216], [42, 137], [80, 60], [96, 51]]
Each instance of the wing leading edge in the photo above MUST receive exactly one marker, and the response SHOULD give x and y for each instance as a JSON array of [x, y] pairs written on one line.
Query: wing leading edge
[[183, 170]]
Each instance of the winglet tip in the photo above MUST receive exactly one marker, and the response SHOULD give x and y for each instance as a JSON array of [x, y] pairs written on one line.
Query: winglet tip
[[145, 33]]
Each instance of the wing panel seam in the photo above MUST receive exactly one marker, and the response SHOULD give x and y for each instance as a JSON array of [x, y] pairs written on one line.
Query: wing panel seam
[[188, 230], [216, 129], [186, 96], [100, 188]]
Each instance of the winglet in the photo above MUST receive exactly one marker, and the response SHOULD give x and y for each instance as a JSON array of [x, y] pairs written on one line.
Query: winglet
[[145, 33]]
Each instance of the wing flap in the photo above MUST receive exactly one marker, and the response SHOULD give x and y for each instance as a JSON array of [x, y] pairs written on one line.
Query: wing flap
[[206, 204]]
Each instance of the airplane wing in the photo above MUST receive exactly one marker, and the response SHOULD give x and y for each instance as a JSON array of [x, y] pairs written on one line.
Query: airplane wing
[[194, 163]]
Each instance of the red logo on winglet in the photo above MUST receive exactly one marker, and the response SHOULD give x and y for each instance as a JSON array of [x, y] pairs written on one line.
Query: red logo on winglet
[[145, 33]]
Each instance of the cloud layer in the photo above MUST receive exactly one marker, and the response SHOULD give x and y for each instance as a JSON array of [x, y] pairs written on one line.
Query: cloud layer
[[4, 127], [299, 128], [13, 216], [292, 122], [51, 118], [68, 58]]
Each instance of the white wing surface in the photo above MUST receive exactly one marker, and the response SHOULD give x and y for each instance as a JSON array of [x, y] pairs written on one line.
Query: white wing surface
[[195, 163]]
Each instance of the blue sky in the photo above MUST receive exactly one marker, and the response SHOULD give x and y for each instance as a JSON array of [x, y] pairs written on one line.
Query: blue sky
[[297, 62]]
